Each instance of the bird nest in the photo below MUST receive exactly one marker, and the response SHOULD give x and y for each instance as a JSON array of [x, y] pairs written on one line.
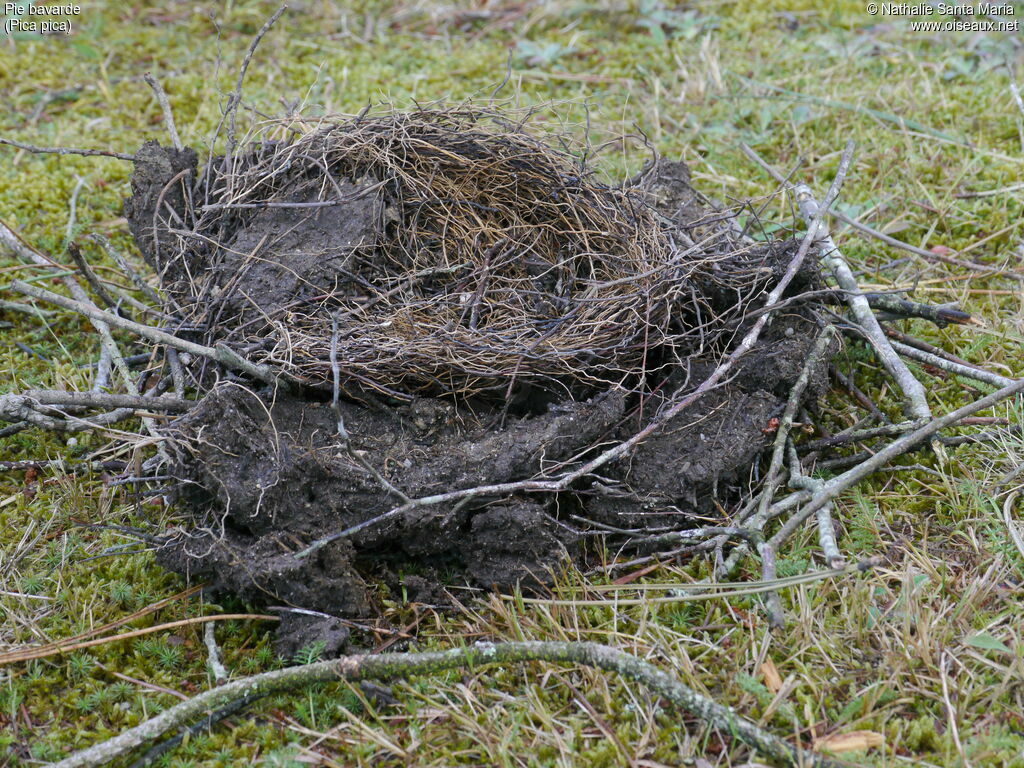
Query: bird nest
[[428, 252], [485, 318]]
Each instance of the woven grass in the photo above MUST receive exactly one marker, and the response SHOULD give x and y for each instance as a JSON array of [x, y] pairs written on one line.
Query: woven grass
[[496, 259]]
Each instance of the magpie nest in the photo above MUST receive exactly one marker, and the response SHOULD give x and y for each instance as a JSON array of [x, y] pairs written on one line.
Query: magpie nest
[[479, 309]]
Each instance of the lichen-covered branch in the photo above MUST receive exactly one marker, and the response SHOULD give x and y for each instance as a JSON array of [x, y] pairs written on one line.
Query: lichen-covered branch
[[405, 665]]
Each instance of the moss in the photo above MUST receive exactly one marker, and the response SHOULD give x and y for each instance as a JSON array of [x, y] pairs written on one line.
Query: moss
[[690, 80]]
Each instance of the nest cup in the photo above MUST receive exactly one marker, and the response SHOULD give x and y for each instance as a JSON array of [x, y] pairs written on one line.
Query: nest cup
[[432, 252]]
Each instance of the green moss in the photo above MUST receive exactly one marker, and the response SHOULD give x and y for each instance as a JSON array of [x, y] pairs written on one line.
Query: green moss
[[697, 81]]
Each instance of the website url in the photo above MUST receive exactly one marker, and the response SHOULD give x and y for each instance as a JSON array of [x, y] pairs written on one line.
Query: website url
[[960, 25]]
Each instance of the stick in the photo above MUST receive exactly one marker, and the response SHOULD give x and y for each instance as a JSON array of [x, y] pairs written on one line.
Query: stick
[[25, 251], [127, 268], [760, 517], [90, 276], [236, 96], [826, 532], [73, 208], [786, 423], [894, 305], [221, 353], [929, 255], [404, 665], [104, 400], [213, 659], [231, 708], [27, 309], [772, 603], [66, 150], [165, 105], [898, 447], [19, 409], [917, 407], [970, 372]]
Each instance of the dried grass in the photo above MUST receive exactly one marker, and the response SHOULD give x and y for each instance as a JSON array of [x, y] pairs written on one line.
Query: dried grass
[[499, 260]]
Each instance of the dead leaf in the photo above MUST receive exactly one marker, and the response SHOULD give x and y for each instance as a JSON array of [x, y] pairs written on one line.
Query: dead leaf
[[772, 678], [854, 741]]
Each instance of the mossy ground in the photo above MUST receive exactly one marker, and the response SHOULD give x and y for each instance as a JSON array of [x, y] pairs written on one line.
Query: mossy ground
[[929, 641]]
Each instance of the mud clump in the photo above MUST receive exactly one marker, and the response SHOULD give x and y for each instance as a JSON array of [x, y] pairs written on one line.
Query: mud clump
[[451, 304]]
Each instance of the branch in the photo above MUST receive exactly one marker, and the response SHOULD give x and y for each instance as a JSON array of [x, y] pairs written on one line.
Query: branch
[[165, 105], [404, 665], [959, 369], [221, 353], [928, 255], [917, 406], [90, 277], [898, 307], [104, 400], [907, 442], [66, 150], [832, 257]]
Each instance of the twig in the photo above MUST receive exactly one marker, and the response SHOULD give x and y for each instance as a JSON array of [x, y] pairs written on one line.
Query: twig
[[786, 423], [948, 365], [15, 428], [898, 447], [404, 665], [213, 658], [103, 368], [863, 399], [924, 346], [826, 532], [917, 406], [929, 255], [221, 353], [165, 105], [66, 150], [27, 309], [990, 436], [229, 709], [236, 96], [127, 268], [773, 603], [858, 304], [105, 400], [898, 307], [69, 231], [58, 650], [19, 409], [177, 371], [64, 466], [99, 322], [90, 276], [760, 517], [343, 435]]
